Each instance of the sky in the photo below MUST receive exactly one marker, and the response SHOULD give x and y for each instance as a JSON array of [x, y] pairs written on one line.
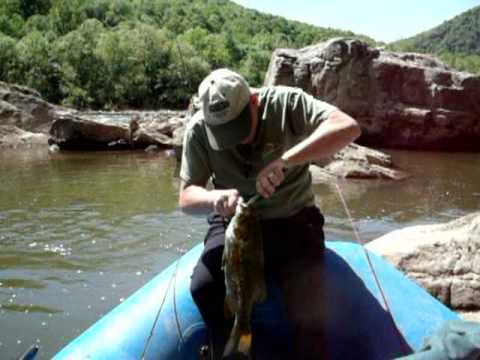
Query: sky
[[382, 20]]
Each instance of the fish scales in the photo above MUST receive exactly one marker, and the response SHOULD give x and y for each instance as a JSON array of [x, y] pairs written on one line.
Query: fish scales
[[243, 264]]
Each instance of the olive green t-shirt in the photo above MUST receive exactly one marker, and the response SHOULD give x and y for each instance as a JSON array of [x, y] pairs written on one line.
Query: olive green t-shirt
[[286, 116]]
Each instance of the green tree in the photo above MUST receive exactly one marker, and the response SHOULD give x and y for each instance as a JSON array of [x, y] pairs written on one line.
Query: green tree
[[185, 72], [8, 56], [135, 58], [34, 7], [114, 53], [66, 16], [254, 65], [82, 76], [213, 48], [36, 67], [11, 20], [37, 23]]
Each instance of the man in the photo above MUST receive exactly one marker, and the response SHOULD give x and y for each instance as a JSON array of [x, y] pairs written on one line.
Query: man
[[245, 142]]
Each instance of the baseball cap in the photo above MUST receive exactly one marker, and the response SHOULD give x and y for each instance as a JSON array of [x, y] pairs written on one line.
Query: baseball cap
[[224, 96]]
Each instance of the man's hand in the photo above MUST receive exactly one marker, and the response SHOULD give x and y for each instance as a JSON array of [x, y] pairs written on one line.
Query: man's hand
[[270, 177], [225, 202]]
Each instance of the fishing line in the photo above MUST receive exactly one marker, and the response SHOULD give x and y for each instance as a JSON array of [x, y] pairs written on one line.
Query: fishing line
[[160, 309], [177, 320], [372, 269], [174, 275]]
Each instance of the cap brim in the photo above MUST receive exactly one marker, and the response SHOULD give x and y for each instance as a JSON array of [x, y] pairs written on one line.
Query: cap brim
[[230, 134]]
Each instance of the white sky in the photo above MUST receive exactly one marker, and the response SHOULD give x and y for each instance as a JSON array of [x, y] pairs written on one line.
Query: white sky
[[386, 20]]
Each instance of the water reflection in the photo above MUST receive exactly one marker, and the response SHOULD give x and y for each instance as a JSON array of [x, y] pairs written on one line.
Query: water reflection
[[79, 232]]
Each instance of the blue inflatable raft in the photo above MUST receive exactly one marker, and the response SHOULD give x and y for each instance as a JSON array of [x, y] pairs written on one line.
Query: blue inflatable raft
[[160, 321]]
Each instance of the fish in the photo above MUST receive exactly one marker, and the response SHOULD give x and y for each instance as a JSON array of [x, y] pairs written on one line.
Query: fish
[[243, 265]]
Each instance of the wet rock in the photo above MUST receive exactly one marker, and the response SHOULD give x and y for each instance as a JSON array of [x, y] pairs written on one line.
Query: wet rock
[[118, 130], [401, 100], [159, 131], [14, 137], [24, 108], [443, 258], [75, 132], [152, 149], [355, 161]]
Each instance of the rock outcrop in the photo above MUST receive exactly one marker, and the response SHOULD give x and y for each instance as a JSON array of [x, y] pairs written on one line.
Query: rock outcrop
[[401, 100], [131, 130], [24, 108], [359, 162], [14, 137], [444, 259]]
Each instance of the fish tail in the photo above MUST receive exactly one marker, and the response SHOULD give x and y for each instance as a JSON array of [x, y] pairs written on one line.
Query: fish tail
[[240, 342], [245, 343]]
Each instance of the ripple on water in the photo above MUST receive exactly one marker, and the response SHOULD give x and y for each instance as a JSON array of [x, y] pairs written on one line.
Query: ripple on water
[[31, 308], [22, 283]]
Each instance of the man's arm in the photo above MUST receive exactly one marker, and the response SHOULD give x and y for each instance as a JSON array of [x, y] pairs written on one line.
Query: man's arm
[[332, 135], [196, 199]]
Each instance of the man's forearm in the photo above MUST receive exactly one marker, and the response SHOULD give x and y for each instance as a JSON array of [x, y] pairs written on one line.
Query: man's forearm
[[195, 199], [334, 134]]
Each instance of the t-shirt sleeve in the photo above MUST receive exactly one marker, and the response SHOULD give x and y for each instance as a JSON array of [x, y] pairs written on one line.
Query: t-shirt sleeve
[[195, 169], [305, 112]]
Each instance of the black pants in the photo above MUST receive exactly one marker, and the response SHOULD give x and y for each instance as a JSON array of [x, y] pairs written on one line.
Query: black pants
[[293, 249]]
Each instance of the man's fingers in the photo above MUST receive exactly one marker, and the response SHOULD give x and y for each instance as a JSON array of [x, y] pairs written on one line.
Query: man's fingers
[[232, 201], [278, 172], [275, 177], [225, 204], [270, 178], [265, 187]]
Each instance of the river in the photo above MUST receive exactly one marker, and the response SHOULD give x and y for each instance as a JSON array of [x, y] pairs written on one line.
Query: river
[[79, 232]]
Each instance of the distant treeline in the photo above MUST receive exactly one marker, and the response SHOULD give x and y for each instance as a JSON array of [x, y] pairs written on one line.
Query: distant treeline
[[457, 41], [138, 53], [459, 61]]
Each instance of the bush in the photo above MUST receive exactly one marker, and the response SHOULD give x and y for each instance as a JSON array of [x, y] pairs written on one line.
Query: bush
[[135, 58], [137, 53], [36, 67], [8, 56]]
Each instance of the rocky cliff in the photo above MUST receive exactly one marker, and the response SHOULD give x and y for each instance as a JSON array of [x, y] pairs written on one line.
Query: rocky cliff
[[402, 100]]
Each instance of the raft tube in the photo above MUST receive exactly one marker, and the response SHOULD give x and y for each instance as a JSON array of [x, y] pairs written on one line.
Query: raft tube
[[161, 321]]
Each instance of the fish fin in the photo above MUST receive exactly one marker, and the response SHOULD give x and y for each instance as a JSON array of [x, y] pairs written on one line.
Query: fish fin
[[238, 343]]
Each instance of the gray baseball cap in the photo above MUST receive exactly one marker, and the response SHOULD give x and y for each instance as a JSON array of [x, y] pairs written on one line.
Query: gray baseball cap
[[224, 97]]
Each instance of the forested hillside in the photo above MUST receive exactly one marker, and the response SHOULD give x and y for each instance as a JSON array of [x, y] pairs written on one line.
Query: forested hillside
[[456, 41], [137, 53]]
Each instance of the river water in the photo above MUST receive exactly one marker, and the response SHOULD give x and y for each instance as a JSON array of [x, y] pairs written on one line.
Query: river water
[[79, 232]]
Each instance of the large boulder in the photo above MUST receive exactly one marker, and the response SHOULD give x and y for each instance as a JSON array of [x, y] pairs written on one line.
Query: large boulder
[[401, 100], [24, 108], [128, 130], [444, 258], [74, 132]]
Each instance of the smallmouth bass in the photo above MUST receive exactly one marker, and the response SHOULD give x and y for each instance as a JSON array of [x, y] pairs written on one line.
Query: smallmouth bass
[[243, 264]]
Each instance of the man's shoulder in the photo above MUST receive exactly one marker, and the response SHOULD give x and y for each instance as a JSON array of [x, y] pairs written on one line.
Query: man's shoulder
[[196, 124], [279, 93]]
